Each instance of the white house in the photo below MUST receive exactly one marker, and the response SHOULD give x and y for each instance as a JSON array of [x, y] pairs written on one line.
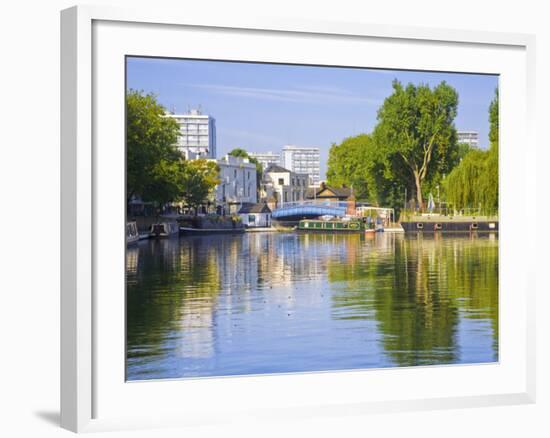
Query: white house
[[255, 215], [237, 183], [284, 185]]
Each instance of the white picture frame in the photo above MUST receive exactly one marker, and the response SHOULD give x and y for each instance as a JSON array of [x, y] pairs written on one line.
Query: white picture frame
[[93, 397]]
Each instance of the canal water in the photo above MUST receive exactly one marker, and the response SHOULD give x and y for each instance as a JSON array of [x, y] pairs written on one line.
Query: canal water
[[288, 302]]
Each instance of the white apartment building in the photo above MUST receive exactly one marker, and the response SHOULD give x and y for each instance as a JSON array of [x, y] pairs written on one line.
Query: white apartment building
[[237, 183], [471, 138], [197, 134], [266, 159], [303, 160], [284, 185]]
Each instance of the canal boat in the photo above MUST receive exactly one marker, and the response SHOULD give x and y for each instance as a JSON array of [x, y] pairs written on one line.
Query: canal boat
[[164, 229], [442, 223], [132, 233], [332, 226]]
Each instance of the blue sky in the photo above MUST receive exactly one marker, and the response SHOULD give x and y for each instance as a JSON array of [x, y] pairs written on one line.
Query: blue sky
[[262, 107]]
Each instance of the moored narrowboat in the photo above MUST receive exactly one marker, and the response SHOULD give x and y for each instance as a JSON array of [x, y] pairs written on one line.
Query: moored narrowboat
[[437, 223], [331, 226], [164, 229], [132, 233]]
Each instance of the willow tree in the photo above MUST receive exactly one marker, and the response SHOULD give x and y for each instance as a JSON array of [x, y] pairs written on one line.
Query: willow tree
[[416, 131], [474, 182]]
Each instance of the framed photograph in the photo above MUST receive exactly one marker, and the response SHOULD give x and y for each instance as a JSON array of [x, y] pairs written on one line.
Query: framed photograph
[[282, 219]]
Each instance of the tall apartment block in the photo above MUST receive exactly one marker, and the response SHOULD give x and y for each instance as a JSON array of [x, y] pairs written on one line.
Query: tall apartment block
[[471, 138], [303, 160], [197, 134], [266, 159]]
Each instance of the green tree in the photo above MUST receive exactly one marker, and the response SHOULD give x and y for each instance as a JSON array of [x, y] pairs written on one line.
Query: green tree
[[348, 164], [197, 181], [165, 184], [358, 163], [416, 133], [474, 182], [493, 121], [150, 148], [463, 149]]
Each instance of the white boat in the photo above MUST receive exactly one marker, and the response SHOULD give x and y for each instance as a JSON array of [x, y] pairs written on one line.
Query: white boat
[[132, 233], [164, 229]]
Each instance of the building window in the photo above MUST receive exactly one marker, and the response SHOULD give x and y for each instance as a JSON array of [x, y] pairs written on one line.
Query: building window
[[248, 175], [286, 196], [281, 182], [235, 173]]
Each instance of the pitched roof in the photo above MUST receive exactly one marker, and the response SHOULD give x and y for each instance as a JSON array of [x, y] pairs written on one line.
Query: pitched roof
[[275, 168], [339, 192], [254, 208]]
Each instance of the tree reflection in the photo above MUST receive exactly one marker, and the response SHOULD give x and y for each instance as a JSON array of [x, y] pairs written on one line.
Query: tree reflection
[[175, 290], [416, 288]]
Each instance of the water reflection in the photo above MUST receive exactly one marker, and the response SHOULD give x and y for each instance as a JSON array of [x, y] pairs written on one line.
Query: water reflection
[[287, 302]]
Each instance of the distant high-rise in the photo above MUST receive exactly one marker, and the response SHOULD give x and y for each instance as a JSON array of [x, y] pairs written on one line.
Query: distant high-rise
[[303, 160], [471, 138], [266, 159], [197, 134]]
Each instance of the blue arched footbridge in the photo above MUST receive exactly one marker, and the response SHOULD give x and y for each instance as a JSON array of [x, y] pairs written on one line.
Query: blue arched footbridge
[[309, 209]]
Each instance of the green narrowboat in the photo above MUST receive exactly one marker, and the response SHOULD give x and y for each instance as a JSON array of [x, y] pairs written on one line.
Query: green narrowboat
[[331, 226]]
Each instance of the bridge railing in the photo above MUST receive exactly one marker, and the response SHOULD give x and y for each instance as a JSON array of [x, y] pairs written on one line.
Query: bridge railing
[[310, 208], [313, 202]]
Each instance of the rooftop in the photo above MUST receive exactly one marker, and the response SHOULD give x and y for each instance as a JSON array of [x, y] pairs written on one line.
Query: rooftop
[[301, 148], [276, 168], [339, 192], [254, 208]]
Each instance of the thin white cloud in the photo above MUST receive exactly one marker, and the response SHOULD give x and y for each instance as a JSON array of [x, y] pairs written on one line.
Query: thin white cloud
[[321, 95]]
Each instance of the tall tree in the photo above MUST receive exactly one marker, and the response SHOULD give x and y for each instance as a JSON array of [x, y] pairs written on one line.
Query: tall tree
[[197, 180], [348, 164], [493, 120], [357, 162], [150, 145], [474, 182], [416, 131], [166, 184]]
